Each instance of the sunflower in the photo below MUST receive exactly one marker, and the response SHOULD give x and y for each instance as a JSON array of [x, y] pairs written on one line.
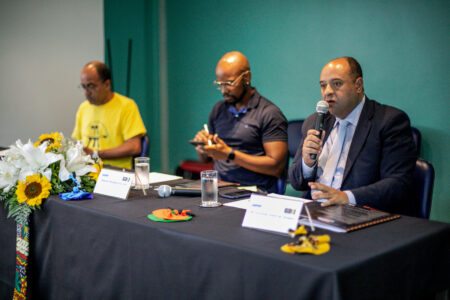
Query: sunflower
[[98, 167], [54, 140], [33, 190]]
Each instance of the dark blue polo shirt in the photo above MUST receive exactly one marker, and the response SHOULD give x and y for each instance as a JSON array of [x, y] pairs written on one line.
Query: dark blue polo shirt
[[247, 132]]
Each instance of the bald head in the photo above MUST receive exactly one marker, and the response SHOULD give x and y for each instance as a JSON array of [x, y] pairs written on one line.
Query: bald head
[[104, 73], [354, 68], [233, 78], [232, 64]]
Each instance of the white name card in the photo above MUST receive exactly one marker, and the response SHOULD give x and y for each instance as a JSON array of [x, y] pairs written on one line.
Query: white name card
[[113, 183], [272, 214]]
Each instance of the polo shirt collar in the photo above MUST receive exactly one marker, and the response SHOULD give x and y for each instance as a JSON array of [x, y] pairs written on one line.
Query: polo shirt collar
[[253, 102]]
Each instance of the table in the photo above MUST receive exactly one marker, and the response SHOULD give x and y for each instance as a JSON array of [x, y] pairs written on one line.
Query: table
[[106, 248]]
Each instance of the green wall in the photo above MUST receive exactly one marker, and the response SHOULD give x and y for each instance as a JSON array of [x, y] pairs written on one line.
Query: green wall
[[136, 20], [403, 47]]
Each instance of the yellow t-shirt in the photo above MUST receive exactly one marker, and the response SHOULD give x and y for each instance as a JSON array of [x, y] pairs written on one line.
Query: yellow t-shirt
[[109, 125]]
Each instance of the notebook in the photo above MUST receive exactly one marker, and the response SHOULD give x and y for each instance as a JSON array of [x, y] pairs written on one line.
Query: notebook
[[344, 218]]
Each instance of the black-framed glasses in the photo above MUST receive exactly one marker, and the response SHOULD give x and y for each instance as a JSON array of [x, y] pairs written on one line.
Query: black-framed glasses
[[229, 83]]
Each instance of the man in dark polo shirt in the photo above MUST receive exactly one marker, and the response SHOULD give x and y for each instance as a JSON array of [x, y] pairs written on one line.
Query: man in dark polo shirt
[[247, 134]]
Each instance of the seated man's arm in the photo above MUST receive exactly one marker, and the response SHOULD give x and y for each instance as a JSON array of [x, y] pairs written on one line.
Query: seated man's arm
[[130, 147], [397, 163], [392, 189], [272, 163], [297, 177]]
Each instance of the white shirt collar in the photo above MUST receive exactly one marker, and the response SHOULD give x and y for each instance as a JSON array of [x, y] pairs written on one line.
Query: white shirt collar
[[353, 117]]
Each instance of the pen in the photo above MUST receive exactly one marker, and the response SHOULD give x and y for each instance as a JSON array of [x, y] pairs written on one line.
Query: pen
[[207, 131], [325, 220]]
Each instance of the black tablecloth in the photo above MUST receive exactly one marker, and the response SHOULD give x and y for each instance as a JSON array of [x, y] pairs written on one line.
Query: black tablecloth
[[106, 248]]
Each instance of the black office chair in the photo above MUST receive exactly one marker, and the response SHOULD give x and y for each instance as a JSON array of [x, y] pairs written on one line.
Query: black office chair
[[294, 132], [423, 187]]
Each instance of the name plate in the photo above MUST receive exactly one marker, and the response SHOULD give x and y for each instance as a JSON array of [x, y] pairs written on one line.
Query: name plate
[[113, 183], [272, 214]]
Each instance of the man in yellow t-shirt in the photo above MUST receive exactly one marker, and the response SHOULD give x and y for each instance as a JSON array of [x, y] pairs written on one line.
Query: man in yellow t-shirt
[[107, 122]]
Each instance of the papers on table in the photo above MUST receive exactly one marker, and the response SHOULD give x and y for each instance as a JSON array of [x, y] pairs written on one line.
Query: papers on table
[[156, 177], [243, 204]]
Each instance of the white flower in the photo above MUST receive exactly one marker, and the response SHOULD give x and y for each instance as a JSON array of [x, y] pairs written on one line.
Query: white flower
[[75, 162], [31, 160], [8, 175]]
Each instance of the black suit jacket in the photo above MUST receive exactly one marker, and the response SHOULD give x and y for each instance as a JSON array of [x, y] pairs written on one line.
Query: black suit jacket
[[381, 160]]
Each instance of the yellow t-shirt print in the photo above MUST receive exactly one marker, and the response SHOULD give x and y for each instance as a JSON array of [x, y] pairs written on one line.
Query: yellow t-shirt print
[[97, 132]]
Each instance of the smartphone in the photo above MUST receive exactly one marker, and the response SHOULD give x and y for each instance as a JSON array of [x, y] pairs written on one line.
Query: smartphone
[[235, 194], [197, 143]]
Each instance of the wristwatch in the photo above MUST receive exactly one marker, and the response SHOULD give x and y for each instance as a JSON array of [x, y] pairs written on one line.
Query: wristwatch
[[231, 156]]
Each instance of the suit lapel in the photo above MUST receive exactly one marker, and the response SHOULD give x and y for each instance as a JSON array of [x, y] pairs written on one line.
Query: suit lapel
[[328, 126], [359, 137]]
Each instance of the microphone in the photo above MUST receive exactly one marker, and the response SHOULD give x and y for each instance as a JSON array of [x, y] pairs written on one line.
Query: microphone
[[165, 191], [321, 109]]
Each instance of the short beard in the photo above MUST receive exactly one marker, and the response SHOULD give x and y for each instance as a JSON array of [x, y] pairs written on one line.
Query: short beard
[[235, 100]]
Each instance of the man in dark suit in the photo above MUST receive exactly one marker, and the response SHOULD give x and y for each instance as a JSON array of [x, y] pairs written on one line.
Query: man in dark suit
[[373, 159]]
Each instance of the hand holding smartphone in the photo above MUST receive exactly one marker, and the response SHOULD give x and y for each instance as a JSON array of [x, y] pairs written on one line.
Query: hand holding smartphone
[[197, 143], [199, 136]]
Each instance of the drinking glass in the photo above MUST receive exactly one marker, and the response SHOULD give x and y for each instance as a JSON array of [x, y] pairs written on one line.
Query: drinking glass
[[142, 173], [209, 182]]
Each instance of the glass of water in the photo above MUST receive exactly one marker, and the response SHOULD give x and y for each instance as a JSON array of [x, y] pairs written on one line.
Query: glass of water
[[141, 173], [209, 188]]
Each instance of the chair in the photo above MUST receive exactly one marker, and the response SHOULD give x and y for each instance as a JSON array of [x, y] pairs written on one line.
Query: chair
[[423, 187], [145, 146], [417, 137], [294, 132], [281, 186], [190, 169]]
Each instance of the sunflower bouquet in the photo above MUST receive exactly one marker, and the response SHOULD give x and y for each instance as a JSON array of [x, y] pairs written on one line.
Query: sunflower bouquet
[[31, 172]]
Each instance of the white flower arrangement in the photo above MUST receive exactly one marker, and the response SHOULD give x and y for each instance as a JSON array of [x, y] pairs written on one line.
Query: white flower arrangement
[[31, 172]]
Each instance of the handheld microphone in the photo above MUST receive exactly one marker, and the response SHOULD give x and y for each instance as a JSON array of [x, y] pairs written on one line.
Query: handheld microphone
[[321, 109], [165, 191]]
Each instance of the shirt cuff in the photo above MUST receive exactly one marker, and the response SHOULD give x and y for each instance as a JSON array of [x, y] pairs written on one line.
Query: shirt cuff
[[307, 171], [351, 197]]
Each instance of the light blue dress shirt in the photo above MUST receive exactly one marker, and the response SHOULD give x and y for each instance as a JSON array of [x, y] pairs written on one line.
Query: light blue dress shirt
[[352, 119]]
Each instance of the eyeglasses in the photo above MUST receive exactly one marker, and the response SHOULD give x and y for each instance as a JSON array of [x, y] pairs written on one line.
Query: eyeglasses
[[87, 87], [229, 83]]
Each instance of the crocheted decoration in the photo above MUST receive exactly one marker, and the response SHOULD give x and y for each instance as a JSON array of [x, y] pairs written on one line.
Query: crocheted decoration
[[77, 193], [22, 248], [307, 243], [170, 215]]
